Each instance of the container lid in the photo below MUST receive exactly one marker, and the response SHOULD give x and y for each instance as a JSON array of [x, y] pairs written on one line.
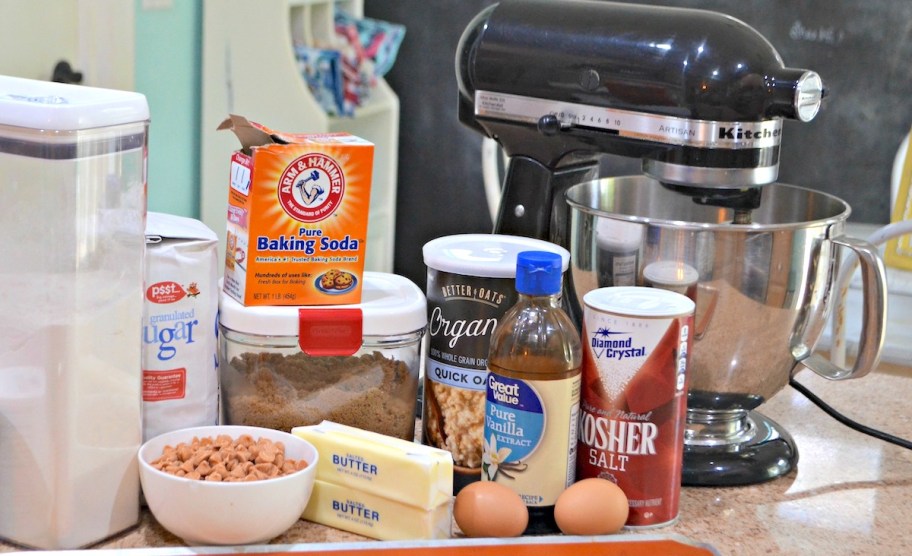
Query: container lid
[[161, 226], [670, 273], [485, 255], [44, 105], [390, 305], [637, 301], [538, 273]]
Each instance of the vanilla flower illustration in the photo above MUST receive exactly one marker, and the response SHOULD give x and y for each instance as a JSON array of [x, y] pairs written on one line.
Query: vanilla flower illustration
[[492, 458]]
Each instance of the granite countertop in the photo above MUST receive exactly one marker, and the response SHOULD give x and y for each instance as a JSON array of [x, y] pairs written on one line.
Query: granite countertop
[[850, 493]]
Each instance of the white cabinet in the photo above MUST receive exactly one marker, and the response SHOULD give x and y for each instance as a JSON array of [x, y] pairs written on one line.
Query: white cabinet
[[39, 33], [249, 68]]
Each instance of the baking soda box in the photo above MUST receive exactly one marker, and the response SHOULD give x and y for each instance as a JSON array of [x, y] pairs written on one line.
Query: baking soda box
[[297, 216]]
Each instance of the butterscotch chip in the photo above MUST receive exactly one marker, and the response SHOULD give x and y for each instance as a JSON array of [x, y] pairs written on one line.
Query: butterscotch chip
[[184, 452], [204, 468], [264, 467], [201, 456]]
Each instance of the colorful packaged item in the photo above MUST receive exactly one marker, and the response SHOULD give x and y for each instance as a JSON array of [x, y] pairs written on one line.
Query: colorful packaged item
[[470, 285], [297, 216], [636, 350], [322, 71], [180, 317], [341, 73], [378, 41], [532, 392]]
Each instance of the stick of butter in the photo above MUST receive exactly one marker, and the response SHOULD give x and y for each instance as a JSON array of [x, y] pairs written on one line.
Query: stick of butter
[[409, 473], [373, 516]]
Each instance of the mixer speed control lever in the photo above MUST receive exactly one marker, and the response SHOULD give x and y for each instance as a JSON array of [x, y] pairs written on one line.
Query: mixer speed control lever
[[549, 125]]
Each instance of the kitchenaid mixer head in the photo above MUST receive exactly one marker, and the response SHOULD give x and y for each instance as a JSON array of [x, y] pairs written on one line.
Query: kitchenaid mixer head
[[698, 96]]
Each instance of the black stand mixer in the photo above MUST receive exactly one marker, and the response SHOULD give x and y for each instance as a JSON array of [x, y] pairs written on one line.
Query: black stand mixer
[[698, 96]]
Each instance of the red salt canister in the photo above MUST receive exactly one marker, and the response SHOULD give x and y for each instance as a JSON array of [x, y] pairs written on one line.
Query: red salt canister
[[636, 346]]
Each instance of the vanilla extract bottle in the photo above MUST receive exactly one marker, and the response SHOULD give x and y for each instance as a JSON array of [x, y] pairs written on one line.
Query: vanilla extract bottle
[[533, 391]]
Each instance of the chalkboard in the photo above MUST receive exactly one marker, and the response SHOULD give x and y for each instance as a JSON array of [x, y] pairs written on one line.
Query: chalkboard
[[861, 48], [863, 51]]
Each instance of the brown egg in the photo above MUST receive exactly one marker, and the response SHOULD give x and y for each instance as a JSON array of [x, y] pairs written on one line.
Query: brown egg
[[488, 509], [591, 507]]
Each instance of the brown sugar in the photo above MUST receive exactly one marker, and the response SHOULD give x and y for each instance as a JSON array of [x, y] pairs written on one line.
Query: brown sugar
[[276, 391]]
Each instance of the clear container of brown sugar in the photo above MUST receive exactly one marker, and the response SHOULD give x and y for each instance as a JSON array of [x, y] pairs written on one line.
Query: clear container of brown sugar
[[285, 366]]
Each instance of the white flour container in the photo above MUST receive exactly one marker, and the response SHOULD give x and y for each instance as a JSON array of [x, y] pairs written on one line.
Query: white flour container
[[72, 177]]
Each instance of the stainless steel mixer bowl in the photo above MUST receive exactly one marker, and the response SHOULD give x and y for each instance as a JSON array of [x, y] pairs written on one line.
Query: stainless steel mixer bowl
[[762, 289]]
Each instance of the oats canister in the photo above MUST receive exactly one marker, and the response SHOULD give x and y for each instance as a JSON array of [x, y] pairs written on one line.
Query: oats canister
[[470, 285]]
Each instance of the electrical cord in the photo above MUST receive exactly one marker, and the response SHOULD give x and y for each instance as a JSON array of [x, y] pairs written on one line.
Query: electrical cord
[[886, 437]]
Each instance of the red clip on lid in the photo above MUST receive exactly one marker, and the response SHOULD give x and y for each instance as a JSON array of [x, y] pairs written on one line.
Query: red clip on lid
[[336, 331]]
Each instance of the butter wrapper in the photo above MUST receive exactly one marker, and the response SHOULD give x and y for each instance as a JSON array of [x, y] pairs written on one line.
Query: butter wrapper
[[374, 516], [412, 474]]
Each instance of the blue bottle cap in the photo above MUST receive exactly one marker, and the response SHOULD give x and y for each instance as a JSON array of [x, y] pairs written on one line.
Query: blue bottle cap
[[538, 273]]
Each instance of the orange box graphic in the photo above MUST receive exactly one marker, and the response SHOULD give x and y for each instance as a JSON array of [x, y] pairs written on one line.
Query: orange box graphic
[[297, 216]]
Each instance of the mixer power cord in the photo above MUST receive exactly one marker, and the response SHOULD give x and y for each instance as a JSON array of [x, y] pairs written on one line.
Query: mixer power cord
[[886, 437]]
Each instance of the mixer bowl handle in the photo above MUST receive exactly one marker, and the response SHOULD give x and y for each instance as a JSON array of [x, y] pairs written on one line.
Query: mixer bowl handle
[[874, 316]]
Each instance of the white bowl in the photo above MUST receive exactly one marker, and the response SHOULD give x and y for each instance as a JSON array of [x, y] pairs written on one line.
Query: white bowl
[[216, 513]]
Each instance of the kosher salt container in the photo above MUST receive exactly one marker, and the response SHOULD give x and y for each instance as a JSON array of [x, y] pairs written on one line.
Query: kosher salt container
[[73, 182], [289, 366]]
